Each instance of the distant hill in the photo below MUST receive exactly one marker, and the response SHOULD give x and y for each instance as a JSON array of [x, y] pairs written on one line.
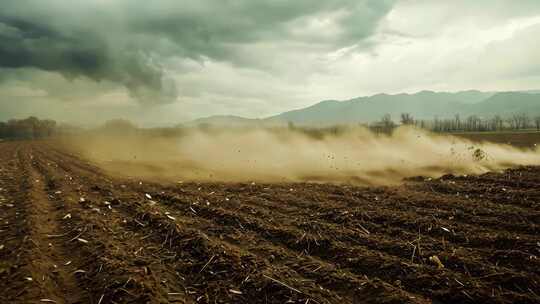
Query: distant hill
[[364, 109], [422, 105], [507, 103]]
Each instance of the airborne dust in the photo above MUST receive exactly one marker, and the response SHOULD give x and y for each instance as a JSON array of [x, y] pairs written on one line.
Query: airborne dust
[[353, 155]]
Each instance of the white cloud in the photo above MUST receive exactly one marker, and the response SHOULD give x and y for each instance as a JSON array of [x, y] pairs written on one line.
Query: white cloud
[[415, 51]]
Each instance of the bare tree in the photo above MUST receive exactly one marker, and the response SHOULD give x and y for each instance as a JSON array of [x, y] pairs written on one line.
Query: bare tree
[[457, 121], [436, 124], [407, 119], [525, 121], [520, 121], [497, 123], [511, 123], [473, 123], [537, 122], [387, 122], [28, 128]]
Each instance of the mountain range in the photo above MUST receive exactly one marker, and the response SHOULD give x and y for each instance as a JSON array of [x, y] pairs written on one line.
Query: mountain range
[[422, 105]]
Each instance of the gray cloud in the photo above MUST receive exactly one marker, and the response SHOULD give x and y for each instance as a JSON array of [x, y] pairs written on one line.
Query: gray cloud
[[28, 44], [79, 52], [96, 59], [129, 42]]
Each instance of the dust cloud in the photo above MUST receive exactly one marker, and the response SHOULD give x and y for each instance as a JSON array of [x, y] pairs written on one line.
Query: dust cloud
[[353, 155]]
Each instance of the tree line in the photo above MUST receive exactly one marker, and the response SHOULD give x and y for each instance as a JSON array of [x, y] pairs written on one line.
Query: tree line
[[472, 123], [34, 128], [29, 128]]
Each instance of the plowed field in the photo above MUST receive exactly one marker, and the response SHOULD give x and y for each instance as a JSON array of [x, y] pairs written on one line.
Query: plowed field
[[70, 233]]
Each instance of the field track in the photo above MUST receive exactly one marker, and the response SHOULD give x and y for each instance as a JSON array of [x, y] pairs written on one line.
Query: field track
[[70, 233]]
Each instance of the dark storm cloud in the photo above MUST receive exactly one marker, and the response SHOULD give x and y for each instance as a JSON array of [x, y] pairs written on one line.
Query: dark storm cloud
[[27, 44], [218, 22], [77, 52], [216, 28], [129, 42]]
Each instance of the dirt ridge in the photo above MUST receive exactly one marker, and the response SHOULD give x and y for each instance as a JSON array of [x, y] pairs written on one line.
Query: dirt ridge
[[138, 241]]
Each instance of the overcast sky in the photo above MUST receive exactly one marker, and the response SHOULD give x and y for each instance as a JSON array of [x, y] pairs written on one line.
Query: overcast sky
[[166, 61]]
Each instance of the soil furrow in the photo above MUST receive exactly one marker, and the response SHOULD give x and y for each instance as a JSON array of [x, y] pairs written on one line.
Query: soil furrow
[[461, 265], [142, 213], [131, 240], [132, 273], [14, 228], [378, 263]]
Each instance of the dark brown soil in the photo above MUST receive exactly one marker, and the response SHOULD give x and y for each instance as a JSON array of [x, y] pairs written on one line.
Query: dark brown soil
[[69, 233]]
